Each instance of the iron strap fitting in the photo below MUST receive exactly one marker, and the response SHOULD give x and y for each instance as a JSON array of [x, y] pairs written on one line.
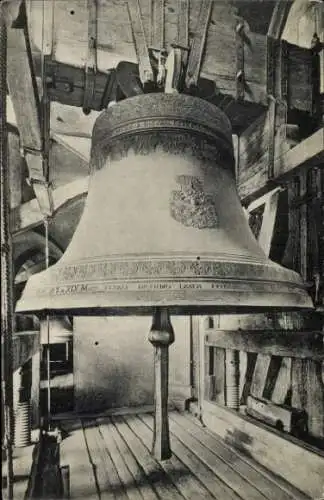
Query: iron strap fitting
[[198, 44], [38, 180], [240, 41], [44, 194], [91, 64], [142, 51]]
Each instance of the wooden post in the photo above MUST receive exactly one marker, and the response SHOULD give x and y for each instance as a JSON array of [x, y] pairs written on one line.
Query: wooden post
[[16, 386], [35, 390], [161, 337], [6, 269]]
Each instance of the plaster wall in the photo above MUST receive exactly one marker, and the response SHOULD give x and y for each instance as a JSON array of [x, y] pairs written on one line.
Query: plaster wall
[[113, 362]]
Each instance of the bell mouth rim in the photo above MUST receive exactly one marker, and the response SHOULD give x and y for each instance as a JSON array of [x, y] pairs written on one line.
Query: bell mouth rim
[[174, 309], [179, 294]]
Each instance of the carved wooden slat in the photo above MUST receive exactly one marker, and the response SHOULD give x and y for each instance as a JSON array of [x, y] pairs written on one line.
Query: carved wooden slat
[[283, 382], [247, 381], [260, 375]]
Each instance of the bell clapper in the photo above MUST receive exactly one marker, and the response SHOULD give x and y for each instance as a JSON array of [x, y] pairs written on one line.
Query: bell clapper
[[161, 337]]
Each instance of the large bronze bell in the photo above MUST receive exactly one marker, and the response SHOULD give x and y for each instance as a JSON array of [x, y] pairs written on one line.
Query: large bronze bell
[[162, 224], [163, 231]]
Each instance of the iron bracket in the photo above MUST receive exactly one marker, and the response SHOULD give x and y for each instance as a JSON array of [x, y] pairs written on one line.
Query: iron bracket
[[91, 64], [240, 76]]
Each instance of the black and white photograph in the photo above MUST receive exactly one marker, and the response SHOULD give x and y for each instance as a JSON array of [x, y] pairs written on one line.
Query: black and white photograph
[[162, 249]]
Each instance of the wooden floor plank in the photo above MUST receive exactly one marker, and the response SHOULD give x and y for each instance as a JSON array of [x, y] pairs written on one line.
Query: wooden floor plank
[[268, 488], [73, 453], [109, 458], [281, 483], [183, 480], [124, 474], [217, 488], [101, 470], [154, 472], [220, 468], [138, 475]]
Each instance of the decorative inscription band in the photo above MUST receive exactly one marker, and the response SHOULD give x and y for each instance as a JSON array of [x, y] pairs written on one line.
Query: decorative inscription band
[[157, 269], [167, 287]]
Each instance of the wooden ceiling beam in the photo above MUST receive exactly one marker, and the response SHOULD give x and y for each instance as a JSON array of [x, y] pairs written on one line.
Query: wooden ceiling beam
[[115, 44]]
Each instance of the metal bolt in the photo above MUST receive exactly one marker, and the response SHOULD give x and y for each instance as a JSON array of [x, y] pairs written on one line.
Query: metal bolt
[[239, 28], [67, 87], [239, 75]]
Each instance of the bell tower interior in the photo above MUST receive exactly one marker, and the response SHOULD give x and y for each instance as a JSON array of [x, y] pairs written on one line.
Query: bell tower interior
[[162, 249]]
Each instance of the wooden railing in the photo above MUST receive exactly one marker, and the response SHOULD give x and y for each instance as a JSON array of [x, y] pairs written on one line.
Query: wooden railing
[[273, 369]]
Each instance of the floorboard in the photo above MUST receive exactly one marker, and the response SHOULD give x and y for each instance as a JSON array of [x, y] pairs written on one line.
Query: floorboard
[[109, 458], [213, 484], [272, 486], [122, 471], [220, 468], [73, 452], [137, 473], [154, 472], [179, 474]]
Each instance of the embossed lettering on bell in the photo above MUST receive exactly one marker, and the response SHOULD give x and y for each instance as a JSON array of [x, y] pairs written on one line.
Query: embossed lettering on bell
[[162, 223]]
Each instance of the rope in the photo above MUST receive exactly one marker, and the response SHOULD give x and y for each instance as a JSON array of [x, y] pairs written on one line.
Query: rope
[[48, 353], [45, 158], [6, 269]]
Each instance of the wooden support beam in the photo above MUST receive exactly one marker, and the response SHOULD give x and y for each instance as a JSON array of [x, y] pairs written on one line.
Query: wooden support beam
[[35, 389], [302, 345], [219, 371], [278, 19], [28, 215], [25, 345], [26, 102], [308, 393], [15, 170], [310, 152], [161, 337], [283, 382], [303, 226], [69, 31], [21, 79], [268, 222], [79, 146], [251, 358], [291, 256], [260, 375], [7, 293]]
